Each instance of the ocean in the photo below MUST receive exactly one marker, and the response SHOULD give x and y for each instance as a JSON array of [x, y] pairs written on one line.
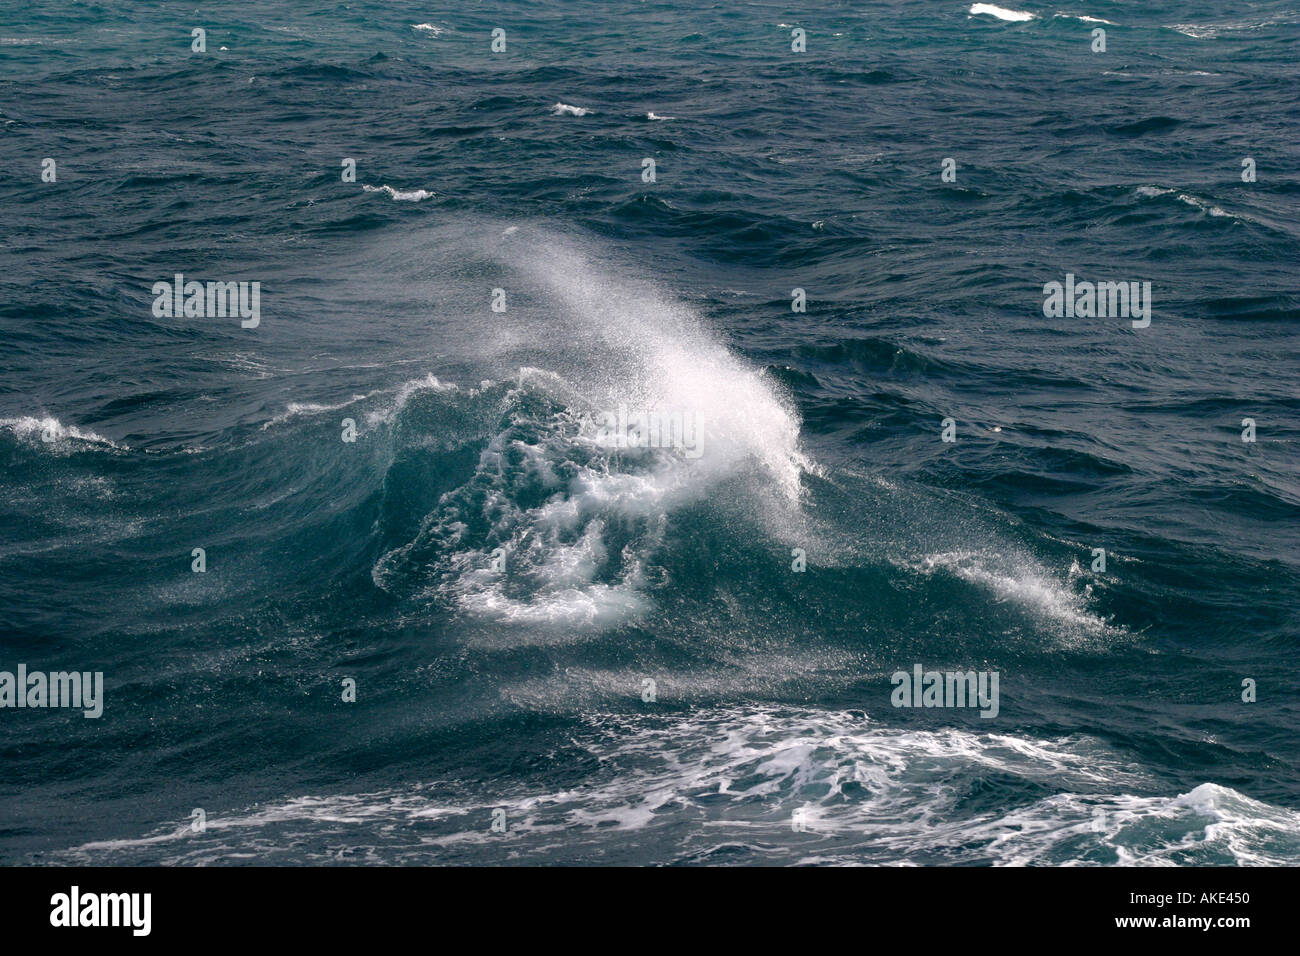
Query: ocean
[[631, 414]]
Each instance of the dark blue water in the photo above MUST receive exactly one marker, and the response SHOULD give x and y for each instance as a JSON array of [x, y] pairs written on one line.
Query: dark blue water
[[519, 693]]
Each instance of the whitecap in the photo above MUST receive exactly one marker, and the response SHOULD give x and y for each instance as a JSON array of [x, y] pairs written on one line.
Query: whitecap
[[414, 195], [295, 409], [404, 393], [1196, 202], [30, 428], [1211, 31], [1081, 18], [1019, 580], [988, 9], [579, 519]]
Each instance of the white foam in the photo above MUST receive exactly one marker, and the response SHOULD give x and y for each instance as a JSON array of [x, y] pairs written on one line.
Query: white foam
[[988, 9], [1195, 202], [411, 195], [295, 409], [429, 28], [1206, 206], [657, 353], [564, 109], [1018, 580], [35, 429], [1211, 31], [866, 792], [1082, 19], [654, 116]]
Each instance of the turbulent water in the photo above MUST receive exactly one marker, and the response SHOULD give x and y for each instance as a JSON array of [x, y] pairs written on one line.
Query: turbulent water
[[646, 677]]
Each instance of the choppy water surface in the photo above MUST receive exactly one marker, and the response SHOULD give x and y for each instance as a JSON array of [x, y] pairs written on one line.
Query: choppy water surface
[[1121, 735]]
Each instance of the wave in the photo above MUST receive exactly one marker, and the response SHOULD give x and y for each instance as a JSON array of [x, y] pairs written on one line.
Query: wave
[[1207, 207], [730, 784], [564, 109], [495, 499], [553, 524], [407, 390]]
